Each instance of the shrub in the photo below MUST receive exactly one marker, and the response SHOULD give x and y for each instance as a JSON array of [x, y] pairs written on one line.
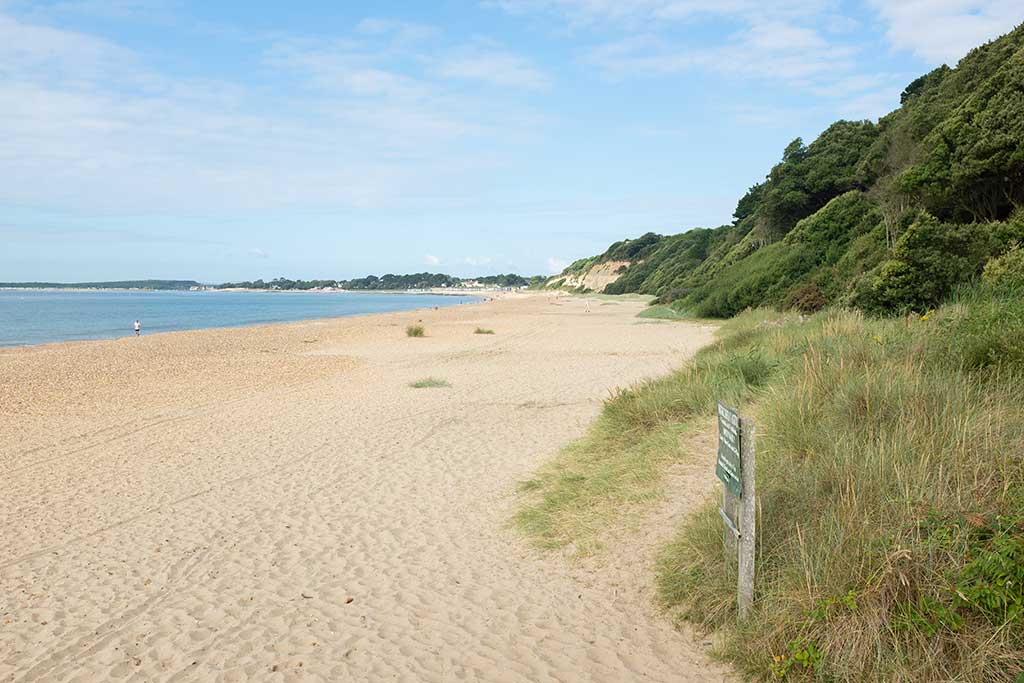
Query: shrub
[[1005, 273], [980, 332], [662, 313], [415, 331], [929, 260], [806, 298]]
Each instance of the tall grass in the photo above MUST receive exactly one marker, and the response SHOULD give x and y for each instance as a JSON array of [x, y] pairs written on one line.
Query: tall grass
[[415, 331], [618, 464], [890, 492], [891, 503]]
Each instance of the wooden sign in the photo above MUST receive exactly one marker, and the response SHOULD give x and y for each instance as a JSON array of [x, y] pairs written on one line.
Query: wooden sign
[[729, 467], [735, 467]]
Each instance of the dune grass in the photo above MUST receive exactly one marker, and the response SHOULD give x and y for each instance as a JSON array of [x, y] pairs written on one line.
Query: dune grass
[[430, 383], [483, 330], [619, 462], [662, 313], [415, 331], [890, 486]]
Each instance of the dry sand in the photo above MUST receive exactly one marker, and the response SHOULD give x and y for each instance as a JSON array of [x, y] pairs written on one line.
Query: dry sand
[[276, 503]]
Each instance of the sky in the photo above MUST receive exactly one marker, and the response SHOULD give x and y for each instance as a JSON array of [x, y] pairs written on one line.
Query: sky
[[253, 139]]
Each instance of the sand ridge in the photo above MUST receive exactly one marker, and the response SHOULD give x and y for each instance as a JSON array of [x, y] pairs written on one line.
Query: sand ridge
[[276, 503]]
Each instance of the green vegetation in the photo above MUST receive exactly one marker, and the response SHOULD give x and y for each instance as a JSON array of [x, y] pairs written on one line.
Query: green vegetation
[[891, 494], [119, 284], [890, 484], [430, 383], [390, 282], [281, 283], [887, 217], [618, 464], [662, 313], [415, 331], [483, 330], [889, 397]]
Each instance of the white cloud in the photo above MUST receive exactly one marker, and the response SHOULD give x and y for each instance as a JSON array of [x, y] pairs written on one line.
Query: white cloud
[[639, 13], [493, 67], [31, 51], [116, 9], [477, 261], [755, 53], [945, 30], [89, 124], [776, 36], [403, 31], [790, 41], [259, 253], [431, 260], [556, 265], [807, 45]]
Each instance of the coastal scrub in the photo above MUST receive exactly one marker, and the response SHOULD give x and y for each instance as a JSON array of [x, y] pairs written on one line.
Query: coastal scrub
[[890, 490]]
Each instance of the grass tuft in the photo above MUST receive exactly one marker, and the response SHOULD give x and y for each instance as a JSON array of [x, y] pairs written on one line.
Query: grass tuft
[[483, 330], [430, 383], [662, 313], [618, 464], [415, 331]]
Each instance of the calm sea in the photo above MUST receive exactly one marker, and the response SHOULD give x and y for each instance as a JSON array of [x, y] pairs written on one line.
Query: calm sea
[[38, 316]]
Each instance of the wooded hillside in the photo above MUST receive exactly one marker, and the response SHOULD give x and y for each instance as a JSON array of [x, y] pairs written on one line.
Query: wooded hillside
[[885, 217]]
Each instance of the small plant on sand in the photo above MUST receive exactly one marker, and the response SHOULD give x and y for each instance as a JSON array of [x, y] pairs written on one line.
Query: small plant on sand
[[661, 313], [415, 331], [483, 330], [430, 383]]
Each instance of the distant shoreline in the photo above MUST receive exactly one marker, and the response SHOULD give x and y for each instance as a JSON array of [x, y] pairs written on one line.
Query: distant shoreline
[[435, 292]]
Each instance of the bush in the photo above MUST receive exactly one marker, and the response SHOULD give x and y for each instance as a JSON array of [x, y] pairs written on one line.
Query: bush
[[980, 332], [415, 331], [806, 298], [661, 313], [1005, 274], [929, 260]]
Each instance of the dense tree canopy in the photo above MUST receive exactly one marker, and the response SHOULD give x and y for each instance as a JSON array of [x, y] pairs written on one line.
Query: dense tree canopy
[[888, 216]]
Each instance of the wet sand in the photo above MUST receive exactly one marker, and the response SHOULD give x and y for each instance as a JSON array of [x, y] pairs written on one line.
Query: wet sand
[[276, 503]]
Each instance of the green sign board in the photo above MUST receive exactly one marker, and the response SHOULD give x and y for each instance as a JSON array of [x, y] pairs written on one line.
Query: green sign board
[[730, 462]]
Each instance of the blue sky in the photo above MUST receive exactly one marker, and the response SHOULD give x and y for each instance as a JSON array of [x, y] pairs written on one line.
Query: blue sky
[[231, 140]]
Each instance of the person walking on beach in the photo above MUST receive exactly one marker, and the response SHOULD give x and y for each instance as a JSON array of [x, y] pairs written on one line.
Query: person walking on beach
[[137, 326]]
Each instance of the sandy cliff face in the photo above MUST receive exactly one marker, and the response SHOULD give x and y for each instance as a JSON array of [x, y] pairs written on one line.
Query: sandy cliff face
[[596, 279]]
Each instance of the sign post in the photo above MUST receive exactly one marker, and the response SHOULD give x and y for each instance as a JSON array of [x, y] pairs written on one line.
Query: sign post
[[735, 467]]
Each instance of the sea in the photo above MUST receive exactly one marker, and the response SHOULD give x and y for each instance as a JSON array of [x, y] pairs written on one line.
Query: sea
[[46, 315]]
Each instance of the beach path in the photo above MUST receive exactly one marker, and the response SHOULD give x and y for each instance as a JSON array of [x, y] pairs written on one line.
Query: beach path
[[277, 503]]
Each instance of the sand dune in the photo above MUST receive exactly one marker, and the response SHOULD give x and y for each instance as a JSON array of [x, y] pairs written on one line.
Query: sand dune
[[276, 503]]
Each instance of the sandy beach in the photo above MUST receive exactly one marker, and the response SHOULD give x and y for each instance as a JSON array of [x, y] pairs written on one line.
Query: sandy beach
[[276, 503]]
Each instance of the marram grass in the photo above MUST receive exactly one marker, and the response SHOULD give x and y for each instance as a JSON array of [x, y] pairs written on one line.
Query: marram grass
[[890, 490]]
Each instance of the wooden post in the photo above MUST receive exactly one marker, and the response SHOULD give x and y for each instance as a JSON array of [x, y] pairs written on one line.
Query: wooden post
[[748, 521], [730, 512]]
